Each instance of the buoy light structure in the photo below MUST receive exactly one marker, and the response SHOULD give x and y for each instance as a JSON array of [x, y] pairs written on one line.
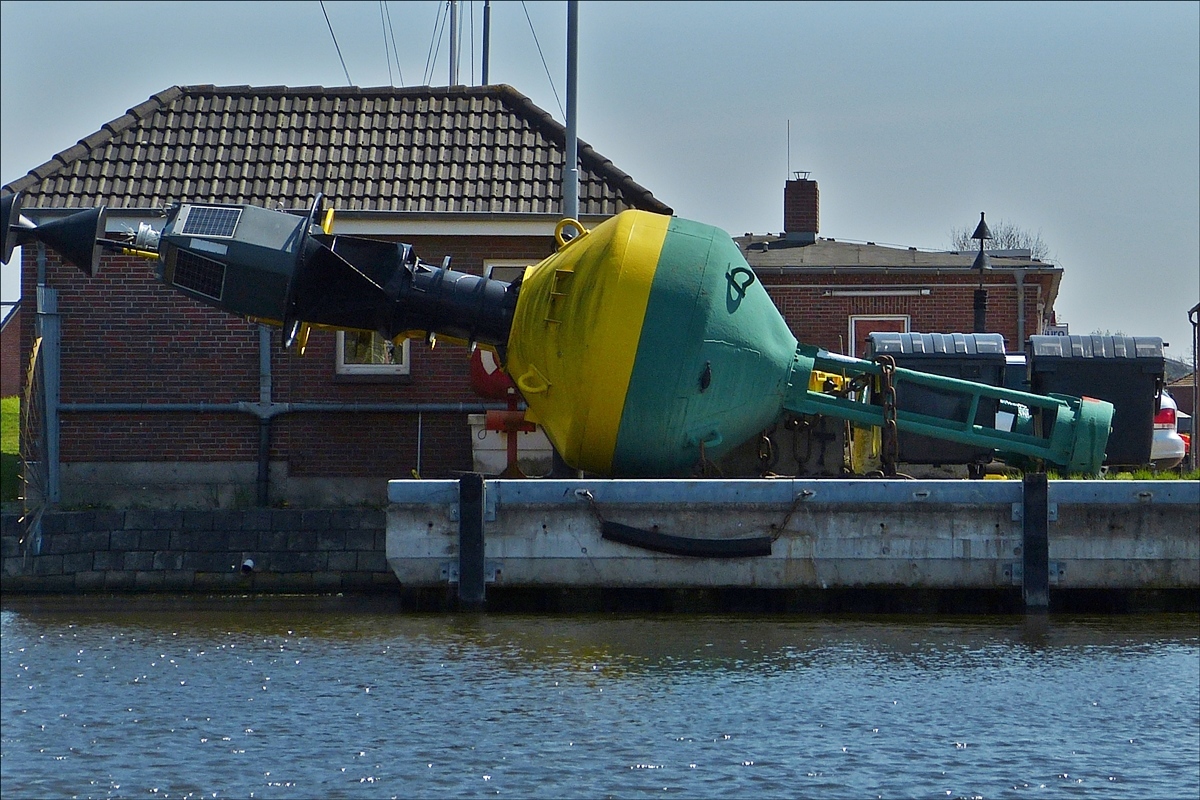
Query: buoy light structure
[[644, 346]]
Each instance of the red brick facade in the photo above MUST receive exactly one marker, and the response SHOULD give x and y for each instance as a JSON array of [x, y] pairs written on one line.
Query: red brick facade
[[127, 338], [822, 319], [10, 353]]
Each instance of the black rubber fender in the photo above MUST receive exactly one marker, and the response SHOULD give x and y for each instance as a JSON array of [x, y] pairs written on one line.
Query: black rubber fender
[[685, 545]]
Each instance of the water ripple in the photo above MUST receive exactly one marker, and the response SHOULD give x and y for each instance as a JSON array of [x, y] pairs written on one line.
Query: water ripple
[[306, 698]]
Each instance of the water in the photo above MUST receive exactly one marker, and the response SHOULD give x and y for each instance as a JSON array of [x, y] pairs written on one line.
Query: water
[[308, 697]]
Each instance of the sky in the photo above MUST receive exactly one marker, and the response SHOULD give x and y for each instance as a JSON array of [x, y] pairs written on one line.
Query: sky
[[1077, 121]]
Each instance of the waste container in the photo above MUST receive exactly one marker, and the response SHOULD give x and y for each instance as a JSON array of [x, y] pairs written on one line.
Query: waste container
[[976, 357], [1127, 371]]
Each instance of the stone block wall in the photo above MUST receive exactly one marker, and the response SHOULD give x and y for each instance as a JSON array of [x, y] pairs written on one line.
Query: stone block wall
[[293, 550]]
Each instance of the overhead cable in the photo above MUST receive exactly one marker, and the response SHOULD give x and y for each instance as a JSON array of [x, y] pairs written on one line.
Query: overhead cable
[[335, 44]]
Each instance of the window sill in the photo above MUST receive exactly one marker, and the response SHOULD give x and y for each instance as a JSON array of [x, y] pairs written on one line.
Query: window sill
[[369, 378]]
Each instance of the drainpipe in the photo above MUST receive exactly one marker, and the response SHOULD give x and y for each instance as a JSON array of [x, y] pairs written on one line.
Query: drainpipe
[[276, 409], [267, 411], [49, 329], [264, 421], [1020, 277]]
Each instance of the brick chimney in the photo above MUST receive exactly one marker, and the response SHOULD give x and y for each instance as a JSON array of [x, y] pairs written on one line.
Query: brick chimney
[[801, 210]]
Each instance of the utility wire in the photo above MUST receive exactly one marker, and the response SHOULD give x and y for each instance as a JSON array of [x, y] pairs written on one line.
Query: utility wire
[[396, 50], [544, 66], [386, 53], [335, 44], [431, 57], [471, 3]]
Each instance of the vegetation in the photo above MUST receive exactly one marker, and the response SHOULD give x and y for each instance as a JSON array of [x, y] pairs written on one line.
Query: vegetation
[[10, 459], [1142, 474], [1005, 236]]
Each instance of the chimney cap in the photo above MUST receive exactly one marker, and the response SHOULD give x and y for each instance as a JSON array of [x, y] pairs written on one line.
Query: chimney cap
[[981, 230]]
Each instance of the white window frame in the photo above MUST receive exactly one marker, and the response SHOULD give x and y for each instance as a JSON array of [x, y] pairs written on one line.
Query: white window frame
[[490, 264], [855, 318], [404, 368], [343, 368]]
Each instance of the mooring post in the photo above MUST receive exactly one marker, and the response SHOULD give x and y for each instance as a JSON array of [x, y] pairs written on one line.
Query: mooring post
[[470, 542], [1035, 550]]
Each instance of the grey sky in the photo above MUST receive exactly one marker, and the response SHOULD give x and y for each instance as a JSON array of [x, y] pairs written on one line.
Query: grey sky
[[1078, 120]]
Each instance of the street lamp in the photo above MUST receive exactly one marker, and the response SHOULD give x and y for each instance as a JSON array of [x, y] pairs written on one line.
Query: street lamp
[[982, 262], [1194, 318]]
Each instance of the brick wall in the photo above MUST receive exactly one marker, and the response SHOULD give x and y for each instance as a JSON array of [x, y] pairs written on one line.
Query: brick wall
[[130, 551], [10, 352], [824, 321], [126, 338]]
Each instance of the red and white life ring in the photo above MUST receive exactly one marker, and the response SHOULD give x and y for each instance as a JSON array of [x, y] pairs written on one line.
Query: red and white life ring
[[487, 379]]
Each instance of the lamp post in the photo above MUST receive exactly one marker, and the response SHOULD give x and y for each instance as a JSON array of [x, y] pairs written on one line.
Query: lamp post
[[1194, 318], [982, 262]]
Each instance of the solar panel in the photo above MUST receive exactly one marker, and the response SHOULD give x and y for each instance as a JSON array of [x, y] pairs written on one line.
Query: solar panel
[[198, 274], [211, 221]]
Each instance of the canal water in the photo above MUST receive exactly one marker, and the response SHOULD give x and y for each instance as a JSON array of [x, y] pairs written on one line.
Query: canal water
[[335, 697]]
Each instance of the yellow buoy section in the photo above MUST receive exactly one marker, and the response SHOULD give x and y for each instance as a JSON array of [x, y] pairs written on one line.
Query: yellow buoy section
[[576, 329]]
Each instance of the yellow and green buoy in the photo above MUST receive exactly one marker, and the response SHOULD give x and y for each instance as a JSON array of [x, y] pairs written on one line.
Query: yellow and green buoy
[[644, 347], [647, 345]]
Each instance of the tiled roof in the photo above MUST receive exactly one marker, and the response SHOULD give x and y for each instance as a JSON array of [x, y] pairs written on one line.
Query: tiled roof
[[422, 149]]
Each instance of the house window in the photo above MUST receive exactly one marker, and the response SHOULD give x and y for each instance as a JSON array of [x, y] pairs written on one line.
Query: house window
[[505, 269], [368, 353], [863, 325]]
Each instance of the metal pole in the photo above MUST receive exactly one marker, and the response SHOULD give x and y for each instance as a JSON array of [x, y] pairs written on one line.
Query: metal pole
[[50, 329], [571, 163], [570, 185], [1035, 551], [264, 421], [487, 38], [471, 574], [1194, 318], [453, 42], [419, 424], [1019, 276], [981, 303]]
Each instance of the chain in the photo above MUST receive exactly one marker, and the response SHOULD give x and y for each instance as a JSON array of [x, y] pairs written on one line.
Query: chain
[[890, 444], [586, 495], [767, 457]]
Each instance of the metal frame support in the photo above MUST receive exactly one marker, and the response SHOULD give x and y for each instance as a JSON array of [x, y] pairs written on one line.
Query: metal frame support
[[471, 568], [1035, 549], [49, 327]]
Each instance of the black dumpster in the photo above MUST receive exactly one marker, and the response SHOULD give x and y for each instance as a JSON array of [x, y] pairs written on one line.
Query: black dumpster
[[975, 357], [1127, 371]]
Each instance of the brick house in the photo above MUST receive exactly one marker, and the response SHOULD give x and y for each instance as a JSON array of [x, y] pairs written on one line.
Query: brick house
[[156, 390], [833, 293], [10, 351]]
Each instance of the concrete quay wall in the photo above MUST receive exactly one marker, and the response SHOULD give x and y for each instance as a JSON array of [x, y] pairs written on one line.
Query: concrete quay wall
[[815, 535], [293, 550]]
